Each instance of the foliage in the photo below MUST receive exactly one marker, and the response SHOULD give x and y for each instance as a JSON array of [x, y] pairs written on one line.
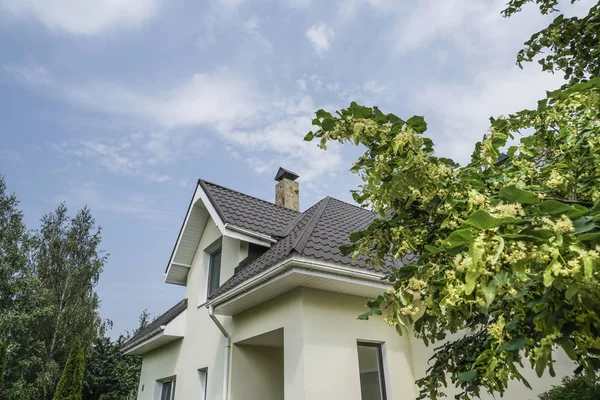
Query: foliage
[[47, 295], [506, 251], [3, 356], [70, 385], [22, 305], [570, 45], [574, 388], [68, 262], [109, 374]]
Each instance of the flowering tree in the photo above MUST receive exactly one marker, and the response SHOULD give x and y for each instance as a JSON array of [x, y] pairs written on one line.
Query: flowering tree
[[508, 246]]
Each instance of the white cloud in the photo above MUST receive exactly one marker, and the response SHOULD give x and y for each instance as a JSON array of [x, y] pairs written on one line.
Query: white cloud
[[462, 110], [83, 17], [320, 35], [103, 198], [10, 156], [136, 154], [255, 124], [252, 29], [28, 74], [205, 99]]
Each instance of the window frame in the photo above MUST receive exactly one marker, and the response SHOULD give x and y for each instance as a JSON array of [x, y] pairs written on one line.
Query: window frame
[[380, 363], [203, 376], [173, 382], [211, 251]]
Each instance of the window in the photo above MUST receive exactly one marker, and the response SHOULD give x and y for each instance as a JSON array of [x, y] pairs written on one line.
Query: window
[[167, 391], [370, 366], [214, 270], [203, 375]]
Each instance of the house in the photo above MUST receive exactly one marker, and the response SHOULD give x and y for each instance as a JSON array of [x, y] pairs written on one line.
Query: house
[[271, 307]]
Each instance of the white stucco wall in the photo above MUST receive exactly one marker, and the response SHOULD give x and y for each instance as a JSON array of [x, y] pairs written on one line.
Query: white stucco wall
[[202, 346], [257, 373]]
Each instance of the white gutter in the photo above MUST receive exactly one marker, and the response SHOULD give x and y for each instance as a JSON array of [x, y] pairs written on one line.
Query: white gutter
[[227, 346], [302, 262], [250, 233]]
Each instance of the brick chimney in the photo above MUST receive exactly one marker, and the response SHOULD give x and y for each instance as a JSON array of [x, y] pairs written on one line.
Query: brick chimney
[[287, 193]]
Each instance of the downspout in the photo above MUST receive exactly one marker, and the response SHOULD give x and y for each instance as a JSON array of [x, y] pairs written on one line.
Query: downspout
[[227, 347]]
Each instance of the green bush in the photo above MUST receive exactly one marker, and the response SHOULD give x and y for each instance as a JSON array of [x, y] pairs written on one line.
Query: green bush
[[70, 386], [574, 388]]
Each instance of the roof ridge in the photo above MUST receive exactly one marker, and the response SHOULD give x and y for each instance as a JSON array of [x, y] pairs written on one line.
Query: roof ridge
[[204, 181], [293, 223], [308, 229]]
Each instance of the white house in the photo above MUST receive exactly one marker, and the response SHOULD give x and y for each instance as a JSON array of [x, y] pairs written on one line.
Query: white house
[[271, 308]]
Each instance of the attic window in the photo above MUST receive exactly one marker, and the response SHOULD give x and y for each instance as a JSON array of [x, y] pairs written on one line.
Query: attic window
[[214, 271]]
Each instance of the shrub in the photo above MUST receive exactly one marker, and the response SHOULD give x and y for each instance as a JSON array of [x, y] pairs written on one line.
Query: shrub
[[574, 388]]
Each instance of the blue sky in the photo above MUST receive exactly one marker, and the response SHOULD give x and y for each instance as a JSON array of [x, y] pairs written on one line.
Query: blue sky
[[123, 105]]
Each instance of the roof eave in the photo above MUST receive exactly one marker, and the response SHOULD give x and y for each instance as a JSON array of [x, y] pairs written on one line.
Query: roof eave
[[368, 283]]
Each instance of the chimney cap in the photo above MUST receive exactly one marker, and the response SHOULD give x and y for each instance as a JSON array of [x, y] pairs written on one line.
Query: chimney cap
[[283, 173]]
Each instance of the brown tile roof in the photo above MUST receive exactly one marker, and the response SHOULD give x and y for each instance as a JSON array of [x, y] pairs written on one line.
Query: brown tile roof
[[316, 233]]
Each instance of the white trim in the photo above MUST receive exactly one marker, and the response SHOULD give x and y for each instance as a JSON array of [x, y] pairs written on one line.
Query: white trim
[[181, 265], [152, 338], [226, 229], [260, 236], [185, 221], [306, 265]]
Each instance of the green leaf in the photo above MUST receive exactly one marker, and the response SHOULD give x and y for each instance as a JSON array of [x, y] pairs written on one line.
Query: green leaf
[[433, 249], [583, 224], [481, 219], [589, 237], [571, 291], [468, 376], [548, 276], [459, 238], [515, 344], [323, 114], [417, 123], [489, 292], [309, 136], [553, 207], [470, 281], [512, 194]]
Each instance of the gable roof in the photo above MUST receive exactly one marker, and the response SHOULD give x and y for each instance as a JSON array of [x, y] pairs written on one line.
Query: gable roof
[[154, 327], [248, 212], [316, 233]]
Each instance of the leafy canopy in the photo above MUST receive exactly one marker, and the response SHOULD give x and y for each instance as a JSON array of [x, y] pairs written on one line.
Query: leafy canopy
[[507, 250], [569, 45]]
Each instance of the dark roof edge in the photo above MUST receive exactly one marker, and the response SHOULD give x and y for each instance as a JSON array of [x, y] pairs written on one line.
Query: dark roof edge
[[181, 229], [202, 184], [244, 194], [135, 340], [310, 226]]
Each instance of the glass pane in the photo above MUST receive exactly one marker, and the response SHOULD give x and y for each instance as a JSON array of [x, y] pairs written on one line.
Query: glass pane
[[371, 376], [214, 275], [166, 391]]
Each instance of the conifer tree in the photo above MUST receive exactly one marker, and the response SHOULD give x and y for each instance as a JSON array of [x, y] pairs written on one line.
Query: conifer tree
[[70, 386]]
